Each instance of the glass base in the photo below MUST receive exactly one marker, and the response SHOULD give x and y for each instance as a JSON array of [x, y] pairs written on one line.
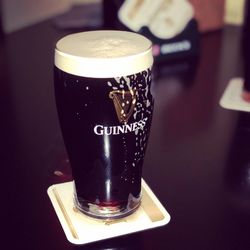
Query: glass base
[[109, 210]]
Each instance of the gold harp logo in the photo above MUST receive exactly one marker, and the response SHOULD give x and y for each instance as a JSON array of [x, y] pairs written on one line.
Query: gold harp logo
[[124, 102]]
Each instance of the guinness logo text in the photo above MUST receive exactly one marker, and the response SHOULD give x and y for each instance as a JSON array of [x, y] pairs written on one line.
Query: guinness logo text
[[123, 129]]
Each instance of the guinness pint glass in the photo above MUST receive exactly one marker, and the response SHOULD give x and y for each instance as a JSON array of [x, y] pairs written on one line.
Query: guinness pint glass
[[102, 87]]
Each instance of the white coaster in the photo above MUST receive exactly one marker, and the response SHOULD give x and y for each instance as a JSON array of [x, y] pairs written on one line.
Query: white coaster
[[81, 229], [232, 99]]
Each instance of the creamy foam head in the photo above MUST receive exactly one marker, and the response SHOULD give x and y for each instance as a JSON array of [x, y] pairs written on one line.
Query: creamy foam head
[[103, 54]]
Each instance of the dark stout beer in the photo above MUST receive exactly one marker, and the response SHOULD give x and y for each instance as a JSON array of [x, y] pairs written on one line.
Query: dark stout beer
[[105, 106]]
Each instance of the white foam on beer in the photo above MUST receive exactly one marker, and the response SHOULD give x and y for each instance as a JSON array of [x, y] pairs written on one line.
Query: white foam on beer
[[108, 48], [103, 53]]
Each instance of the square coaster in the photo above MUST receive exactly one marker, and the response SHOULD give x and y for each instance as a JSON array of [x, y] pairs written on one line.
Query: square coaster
[[232, 99], [81, 229]]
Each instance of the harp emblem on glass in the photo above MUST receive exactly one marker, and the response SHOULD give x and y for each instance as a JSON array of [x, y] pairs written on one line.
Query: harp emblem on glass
[[124, 103]]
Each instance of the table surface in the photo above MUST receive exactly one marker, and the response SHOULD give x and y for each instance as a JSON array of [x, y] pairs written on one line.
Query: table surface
[[197, 160]]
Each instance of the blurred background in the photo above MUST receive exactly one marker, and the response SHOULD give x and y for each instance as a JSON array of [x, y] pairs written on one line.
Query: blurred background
[[17, 14], [174, 26]]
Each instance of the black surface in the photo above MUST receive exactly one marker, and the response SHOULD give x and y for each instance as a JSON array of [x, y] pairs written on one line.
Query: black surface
[[192, 162]]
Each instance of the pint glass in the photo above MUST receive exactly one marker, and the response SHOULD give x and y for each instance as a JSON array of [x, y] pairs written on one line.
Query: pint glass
[[102, 88]]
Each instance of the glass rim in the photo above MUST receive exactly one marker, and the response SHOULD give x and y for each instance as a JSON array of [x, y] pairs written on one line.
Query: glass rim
[[67, 59]]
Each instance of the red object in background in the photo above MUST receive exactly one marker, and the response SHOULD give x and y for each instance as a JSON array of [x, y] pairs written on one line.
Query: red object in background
[[209, 14], [246, 95]]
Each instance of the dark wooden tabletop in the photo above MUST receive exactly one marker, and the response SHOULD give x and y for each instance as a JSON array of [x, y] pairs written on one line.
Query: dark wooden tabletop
[[197, 160]]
